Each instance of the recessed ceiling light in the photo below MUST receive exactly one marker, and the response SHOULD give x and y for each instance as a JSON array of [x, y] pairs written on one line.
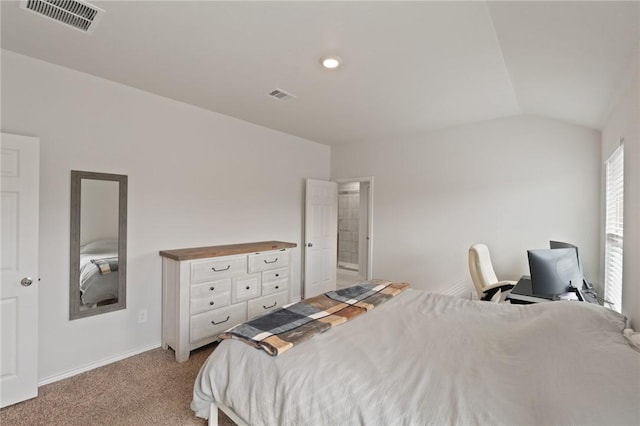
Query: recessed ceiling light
[[330, 62]]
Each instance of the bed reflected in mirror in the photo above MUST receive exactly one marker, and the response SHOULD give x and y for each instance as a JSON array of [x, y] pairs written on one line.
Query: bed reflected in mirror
[[98, 243]]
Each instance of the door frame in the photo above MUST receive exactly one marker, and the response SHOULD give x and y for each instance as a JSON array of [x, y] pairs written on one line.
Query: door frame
[[369, 251]]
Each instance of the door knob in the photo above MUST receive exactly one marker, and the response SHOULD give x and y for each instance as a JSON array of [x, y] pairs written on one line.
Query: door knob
[[26, 281], [309, 245]]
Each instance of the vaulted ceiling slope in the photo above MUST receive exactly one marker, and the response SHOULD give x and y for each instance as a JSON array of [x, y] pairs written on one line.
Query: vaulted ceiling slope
[[408, 67]]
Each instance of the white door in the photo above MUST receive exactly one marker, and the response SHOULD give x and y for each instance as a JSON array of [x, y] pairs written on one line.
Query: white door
[[364, 272], [321, 237], [20, 159]]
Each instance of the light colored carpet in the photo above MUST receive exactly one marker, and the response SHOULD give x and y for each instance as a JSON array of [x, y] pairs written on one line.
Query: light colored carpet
[[146, 389]]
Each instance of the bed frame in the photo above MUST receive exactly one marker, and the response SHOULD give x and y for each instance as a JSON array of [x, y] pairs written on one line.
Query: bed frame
[[213, 415]]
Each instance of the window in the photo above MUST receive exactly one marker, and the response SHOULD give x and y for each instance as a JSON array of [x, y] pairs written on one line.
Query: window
[[614, 202]]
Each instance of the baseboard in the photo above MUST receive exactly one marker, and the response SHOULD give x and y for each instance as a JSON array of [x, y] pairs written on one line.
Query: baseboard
[[94, 365]]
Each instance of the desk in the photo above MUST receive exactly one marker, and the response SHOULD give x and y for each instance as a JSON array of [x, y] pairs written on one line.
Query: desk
[[522, 294]]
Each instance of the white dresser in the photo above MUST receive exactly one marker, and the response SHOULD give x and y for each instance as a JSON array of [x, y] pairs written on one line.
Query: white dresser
[[207, 290]]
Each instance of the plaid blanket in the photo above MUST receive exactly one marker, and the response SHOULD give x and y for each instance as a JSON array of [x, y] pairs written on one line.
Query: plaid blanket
[[286, 327], [106, 265]]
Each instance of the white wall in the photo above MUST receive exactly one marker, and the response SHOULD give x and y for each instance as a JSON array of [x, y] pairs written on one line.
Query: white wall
[[624, 122], [513, 184], [196, 178]]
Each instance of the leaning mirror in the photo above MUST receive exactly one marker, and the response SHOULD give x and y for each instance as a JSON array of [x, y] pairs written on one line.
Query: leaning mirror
[[98, 267]]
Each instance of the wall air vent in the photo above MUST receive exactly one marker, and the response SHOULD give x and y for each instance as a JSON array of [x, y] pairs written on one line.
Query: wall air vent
[[77, 14], [281, 94]]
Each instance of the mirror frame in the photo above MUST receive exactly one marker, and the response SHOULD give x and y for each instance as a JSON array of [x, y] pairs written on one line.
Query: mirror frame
[[74, 271]]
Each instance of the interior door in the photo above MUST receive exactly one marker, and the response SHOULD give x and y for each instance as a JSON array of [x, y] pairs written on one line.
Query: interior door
[[321, 237], [364, 272], [20, 157]]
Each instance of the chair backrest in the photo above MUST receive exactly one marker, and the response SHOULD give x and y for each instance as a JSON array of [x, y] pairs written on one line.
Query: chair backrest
[[480, 267]]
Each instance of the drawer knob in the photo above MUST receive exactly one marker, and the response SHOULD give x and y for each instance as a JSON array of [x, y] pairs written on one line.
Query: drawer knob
[[273, 261], [277, 287], [220, 270], [247, 287], [277, 275], [211, 303], [212, 288], [216, 323], [269, 307]]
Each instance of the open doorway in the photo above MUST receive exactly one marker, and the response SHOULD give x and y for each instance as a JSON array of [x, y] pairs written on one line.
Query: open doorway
[[354, 231]]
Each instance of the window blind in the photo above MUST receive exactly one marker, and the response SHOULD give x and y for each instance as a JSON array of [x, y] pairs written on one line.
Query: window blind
[[614, 203]]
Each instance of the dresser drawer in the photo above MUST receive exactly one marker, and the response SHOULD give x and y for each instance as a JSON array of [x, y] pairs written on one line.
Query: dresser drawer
[[214, 322], [269, 260], [214, 301], [245, 287], [265, 304], [204, 270], [275, 275], [211, 288], [275, 286]]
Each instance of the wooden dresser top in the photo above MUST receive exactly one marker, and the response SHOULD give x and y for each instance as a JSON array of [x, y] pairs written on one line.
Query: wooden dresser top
[[226, 250]]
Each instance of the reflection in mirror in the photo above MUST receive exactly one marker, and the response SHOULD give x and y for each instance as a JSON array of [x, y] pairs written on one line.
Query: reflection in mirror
[[98, 243]]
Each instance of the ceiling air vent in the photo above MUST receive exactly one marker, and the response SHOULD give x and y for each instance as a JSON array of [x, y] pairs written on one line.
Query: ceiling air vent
[[281, 94], [73, 13]]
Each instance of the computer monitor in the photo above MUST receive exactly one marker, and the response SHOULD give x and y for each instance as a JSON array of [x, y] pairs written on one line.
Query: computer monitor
[[554, 270], [560, 244]]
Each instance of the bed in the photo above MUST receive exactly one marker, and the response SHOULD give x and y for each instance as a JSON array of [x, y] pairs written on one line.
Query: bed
[[99, 271], [424, 358]]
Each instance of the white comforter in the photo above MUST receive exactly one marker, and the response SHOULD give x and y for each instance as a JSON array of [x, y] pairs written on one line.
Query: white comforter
[[423, 358]]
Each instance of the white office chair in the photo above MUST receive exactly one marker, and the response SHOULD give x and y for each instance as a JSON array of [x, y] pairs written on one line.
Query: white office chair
[[483, 276]]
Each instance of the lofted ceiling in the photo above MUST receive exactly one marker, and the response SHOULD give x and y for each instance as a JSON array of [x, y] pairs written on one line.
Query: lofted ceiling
[[408, 67]]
